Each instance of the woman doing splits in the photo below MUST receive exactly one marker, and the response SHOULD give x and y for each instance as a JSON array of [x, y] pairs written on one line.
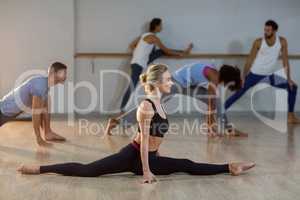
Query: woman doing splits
[[141, 156]]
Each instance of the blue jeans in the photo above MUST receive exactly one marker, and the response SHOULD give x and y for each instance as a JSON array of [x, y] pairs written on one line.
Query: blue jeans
[[274, 80], [136, 71]]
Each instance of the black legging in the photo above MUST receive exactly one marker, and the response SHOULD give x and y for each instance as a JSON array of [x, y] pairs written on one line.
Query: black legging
[[128, 160]]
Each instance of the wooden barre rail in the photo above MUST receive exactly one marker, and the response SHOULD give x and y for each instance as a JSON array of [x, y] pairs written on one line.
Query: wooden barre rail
[[191, 56]]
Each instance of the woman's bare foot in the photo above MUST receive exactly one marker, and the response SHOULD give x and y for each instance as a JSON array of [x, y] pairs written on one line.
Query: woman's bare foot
[[112, 123], [51, 136], [41, 142], [29, 169], [235, 133], [238, 168], [212, 134], [293, 119]]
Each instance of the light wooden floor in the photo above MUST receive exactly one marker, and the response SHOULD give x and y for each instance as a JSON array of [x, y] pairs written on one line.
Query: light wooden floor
[[277, 175]]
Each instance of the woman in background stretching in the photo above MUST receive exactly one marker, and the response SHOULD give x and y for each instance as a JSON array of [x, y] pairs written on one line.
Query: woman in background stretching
[[144, 53]]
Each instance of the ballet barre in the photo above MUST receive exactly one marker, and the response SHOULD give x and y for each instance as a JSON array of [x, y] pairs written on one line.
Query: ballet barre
[[190, 56]]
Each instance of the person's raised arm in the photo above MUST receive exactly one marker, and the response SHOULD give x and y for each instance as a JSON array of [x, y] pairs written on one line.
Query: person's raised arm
[[38, 108], [144, 115], [171, 52], [252, 56]]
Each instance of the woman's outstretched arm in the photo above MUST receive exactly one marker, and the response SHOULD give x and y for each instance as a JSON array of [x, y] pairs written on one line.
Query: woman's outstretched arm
[[171, 52]]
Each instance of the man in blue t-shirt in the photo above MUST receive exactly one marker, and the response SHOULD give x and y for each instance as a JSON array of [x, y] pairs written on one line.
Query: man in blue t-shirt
[[32, 97]]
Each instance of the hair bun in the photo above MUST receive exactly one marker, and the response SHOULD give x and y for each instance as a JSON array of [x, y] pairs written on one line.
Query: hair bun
[[143, 78]]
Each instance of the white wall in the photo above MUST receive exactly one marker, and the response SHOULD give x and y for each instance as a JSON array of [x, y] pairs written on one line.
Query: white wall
[[215, 26], [34, 34]]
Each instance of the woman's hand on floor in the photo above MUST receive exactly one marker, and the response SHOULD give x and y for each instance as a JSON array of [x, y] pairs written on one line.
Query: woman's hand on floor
[[148, 177]]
